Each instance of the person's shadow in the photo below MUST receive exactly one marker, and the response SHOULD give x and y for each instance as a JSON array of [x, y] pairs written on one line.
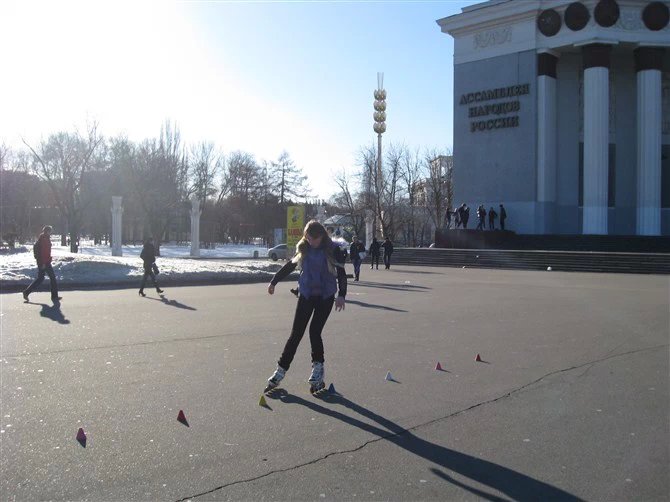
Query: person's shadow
[[515, 485], [373, 306], [172, 303], [52, 312]]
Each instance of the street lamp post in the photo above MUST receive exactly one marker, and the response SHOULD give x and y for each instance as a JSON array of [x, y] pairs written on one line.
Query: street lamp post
[[380, 128]]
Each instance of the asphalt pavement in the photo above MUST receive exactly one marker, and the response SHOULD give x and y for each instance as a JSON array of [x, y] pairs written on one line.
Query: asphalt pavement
[[570, 400]]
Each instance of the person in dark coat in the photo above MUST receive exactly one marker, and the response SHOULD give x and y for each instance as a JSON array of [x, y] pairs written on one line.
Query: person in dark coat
[[148, 256], [465, 215], [447, 218], [503, 217], [42, 252], [388, 251], [374, 253], [481, 214], [492, 218], [355, 251]]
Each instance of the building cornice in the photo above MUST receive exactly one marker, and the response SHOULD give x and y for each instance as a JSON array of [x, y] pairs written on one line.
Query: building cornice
[[500, 27]]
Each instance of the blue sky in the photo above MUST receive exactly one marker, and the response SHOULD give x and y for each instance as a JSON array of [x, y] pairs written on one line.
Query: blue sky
[[256, 76]]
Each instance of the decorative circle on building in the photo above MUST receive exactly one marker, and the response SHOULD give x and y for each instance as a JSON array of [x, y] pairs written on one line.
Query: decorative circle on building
[[577, 16], [549, 22], [656, 16], [606, 13]]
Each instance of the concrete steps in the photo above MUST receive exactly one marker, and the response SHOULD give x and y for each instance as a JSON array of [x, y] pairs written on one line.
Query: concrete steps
[[572, 261]]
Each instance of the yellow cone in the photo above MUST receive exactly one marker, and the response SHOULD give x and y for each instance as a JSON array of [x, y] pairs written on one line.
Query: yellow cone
[[262, 402]]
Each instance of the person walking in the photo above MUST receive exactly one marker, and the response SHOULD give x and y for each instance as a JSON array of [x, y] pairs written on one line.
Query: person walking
[[492, 218], [388, 251], [42, 254], [148, 256], [503, 217], [457, 218], [321, 276], [355, 251], [374, 253]]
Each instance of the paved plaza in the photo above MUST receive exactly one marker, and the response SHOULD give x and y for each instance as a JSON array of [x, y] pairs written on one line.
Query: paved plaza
[[570, 400]]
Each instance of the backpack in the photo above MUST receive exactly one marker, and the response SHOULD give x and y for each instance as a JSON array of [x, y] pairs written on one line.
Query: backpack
[[36, 249]]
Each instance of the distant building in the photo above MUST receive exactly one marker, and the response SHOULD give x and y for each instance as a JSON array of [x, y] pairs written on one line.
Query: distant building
[[338, 224], [562, 113]]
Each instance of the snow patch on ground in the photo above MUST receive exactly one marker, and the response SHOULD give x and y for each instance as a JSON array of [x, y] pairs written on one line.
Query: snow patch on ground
[[95, 265]]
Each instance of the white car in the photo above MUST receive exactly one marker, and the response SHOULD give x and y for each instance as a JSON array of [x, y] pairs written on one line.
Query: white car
[[277, 252]]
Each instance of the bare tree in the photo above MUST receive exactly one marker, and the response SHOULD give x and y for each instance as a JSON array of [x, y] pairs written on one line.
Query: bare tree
[[63, 161], [354, 206], [410, 174], [438, 185], [287, 178], [204, 166], [160, 180], [242, 177], [5, 155], [392, 188]]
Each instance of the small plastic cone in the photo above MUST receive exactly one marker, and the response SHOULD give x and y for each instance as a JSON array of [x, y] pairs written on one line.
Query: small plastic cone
[[262, 402], [181, 417], [331, 389], [81, 435], [438, 366], [478, 358], [388, 376]]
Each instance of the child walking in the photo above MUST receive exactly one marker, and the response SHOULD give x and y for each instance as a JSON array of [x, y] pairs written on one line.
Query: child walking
[[321, 276]]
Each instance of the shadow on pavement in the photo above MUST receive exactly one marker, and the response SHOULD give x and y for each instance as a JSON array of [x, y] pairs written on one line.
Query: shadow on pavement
[[171, 303], [373, 306], [52, 312], [415, 272], [395, 287], [513, 484]]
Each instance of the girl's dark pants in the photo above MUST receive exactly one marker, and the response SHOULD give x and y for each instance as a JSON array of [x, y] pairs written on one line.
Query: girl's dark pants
[[387, 260], [321, 308], [374, 259], [357, 267], [148, 272], [41, 271]]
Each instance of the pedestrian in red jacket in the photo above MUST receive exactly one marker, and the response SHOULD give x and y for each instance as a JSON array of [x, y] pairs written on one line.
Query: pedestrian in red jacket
[[42, 253]]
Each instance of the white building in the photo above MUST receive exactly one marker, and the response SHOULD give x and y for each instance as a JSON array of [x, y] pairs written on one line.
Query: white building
[[562, 113]]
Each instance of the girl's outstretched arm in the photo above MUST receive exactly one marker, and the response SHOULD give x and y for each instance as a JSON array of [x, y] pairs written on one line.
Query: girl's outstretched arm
[[283, 272]]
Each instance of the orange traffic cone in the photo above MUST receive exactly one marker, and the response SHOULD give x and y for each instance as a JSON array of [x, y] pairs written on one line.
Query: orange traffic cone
[[478, 359], [438, 367]]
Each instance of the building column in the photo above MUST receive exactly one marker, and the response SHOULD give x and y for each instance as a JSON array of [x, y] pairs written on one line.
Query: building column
[[596, 59], [369, 221], [547, 120], [117, 215], [648, 64], [195, 227]]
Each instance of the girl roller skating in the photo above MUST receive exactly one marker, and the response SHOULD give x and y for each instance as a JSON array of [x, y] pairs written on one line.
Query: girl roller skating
[[321, 276]]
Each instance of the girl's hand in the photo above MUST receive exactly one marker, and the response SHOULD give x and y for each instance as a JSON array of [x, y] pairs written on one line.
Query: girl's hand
[[339, 303], [271, 289]]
